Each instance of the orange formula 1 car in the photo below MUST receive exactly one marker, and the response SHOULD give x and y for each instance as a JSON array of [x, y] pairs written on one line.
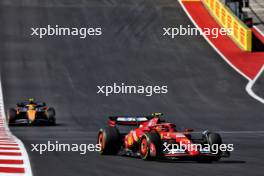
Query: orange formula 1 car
[[31, 112], [150, 137]]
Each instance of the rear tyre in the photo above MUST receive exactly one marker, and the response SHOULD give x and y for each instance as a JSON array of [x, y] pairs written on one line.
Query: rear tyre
[[110, 140], [11, 116], [51, 116], [150, 146]]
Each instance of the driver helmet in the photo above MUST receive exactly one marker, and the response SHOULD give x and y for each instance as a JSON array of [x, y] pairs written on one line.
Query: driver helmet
[[31, 101]]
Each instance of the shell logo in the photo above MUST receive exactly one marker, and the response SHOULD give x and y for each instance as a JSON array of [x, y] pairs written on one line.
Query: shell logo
[[161, 136], [130, 140]]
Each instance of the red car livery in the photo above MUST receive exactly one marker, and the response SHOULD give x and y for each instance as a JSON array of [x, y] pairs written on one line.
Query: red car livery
[[150, 137]]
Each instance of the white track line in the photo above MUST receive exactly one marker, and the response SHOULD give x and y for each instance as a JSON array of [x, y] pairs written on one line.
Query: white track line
[[7, 174], [9, 143], [241, 132], [13, 165], [27, 165], [12, 157], [235, 132], [11, 151], [255, 27], [251, 82], [8, 146]]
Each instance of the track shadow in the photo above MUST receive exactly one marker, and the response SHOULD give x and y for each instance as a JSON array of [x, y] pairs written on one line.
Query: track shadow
[[37, 125], [193, 161], [230, 161], [189, 161]]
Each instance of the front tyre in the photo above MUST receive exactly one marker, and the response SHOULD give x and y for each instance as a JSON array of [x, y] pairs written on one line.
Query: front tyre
[[213, 139], [11, 116], [51, 116], [150, 146]]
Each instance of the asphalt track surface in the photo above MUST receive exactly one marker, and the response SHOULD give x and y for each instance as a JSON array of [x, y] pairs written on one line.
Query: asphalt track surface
[[204, 92]]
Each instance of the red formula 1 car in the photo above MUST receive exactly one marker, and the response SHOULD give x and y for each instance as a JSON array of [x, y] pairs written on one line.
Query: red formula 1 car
[[151, 137]]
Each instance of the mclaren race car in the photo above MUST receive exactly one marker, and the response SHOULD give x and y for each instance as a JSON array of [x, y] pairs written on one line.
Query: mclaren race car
[[31, 112], [150, 137]]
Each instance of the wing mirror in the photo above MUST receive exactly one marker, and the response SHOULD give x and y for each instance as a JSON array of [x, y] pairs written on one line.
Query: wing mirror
[[188, 130]]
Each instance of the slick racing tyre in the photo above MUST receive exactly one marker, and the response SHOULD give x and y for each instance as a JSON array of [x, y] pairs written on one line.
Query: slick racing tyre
[[110, 140], [11, 116], [213, 139], [51, 116], [150, 146]]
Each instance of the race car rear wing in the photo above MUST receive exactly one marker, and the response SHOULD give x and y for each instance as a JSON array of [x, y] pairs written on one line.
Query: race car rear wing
[[131, 120]]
